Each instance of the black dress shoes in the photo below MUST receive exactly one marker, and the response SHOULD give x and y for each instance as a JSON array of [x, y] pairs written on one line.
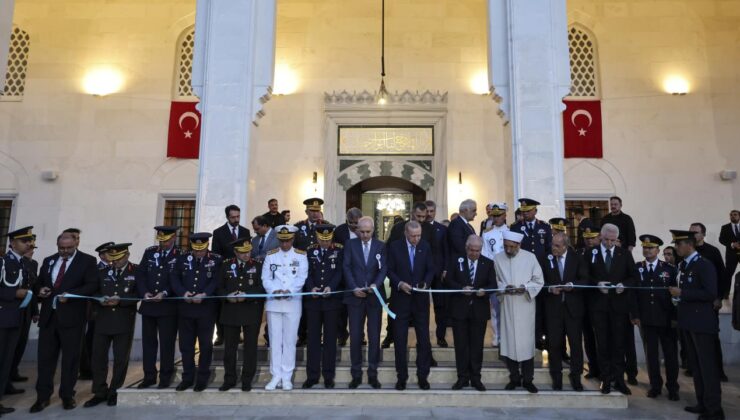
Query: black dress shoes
[[653, 393], [301, 342], [717, 415], [163, 384], [219, 341], [374, 383], [673, 396], [511, 385], [146, 383], [400, 385], [354, 383], [386, 342], [557, 383], [6, 410], [622, 387], [329, 383], [424, 384], [575, 383], [11, 390], [342, 342], [632, 380], [18, 378], [226, 386], [309, 383], [478, 385], [38, 406], [606, 387], [441, 342], [112, 400], [433, 363], [247, 386], [695, 409], [529, 386], [200, 387], [723, 377], [460, 384], [92, 402], [69, 403], [182, 386]]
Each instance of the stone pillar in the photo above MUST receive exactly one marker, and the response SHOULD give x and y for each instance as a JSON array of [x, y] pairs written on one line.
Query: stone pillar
[[6, 28], [232, 75], [529, 73]]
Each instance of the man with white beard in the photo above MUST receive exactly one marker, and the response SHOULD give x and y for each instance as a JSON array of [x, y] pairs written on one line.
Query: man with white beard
[[519, 273]]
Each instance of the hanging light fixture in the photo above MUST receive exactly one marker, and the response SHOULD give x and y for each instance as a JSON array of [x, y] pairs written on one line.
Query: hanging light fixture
[[382, 92]]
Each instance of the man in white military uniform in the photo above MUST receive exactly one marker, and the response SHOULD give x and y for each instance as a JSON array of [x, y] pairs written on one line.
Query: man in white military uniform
[[284, 271], [519, 272], [493, 243]]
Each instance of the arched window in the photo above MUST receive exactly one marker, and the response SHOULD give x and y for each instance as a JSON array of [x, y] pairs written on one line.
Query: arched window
[[583, 63], [184, 71], [15, 78]]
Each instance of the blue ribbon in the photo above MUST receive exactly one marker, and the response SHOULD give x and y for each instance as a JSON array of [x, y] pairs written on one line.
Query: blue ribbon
[[383, 304], [575, 286], [26, 300]]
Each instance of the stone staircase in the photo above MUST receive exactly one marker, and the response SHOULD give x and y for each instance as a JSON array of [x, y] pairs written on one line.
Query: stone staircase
[[441, 378]]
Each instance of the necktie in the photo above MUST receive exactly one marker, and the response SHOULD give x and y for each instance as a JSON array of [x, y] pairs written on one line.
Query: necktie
[[62, 269], [561, 267], [737, 232], [412, 251], [261, 245], [472, 271], [241, 266], [118, 272], [650, 268], [233, 233], [531, 227], [608, 260], [366, 250]]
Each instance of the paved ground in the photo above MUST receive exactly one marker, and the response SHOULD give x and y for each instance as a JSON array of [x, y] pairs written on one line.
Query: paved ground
[[640, 407]]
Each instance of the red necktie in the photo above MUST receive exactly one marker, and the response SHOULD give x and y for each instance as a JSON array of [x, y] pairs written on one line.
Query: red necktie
[[233, 233], [60, 274]]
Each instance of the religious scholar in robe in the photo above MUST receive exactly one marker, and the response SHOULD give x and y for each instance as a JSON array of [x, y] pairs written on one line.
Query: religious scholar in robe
[[519, 273]]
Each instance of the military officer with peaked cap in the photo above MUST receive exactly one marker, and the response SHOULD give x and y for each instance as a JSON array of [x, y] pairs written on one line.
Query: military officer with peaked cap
[[240, 315], [559, 224], [115, 318], [102, 251], [195, 278], [590, 235], [322, 312], [158, 316]]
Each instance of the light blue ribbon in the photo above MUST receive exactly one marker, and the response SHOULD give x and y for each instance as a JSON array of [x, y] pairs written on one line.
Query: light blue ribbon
[[26, 300], [383, 304]]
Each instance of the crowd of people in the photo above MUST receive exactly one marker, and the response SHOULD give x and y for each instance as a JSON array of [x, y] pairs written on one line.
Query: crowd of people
[[319, 285]]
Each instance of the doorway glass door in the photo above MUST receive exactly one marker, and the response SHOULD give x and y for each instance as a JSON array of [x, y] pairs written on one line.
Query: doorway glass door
[[386, 208]]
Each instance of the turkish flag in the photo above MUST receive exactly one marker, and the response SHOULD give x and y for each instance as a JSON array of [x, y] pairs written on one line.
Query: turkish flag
[[582, 129], [183, 139]]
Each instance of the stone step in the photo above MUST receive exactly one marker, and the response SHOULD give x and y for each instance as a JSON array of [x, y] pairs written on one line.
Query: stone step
[[341, 396]]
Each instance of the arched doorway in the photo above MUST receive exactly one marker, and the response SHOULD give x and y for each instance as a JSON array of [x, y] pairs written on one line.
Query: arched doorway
[[384, 198]]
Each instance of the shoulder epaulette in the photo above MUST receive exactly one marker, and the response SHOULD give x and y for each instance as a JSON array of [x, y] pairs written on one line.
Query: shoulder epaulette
[[313, 246], [152, 248], [338, 246], [272, 251], [300, 251]]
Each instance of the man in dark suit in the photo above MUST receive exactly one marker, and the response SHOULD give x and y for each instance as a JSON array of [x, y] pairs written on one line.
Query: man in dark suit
[[322, 312], [410, 266], [590, 240], [564, 309], [273, 216], [342, 234], [627, 235], [440, 300], [265, 238], [221, 245], [158, 316], [364, 269], [240, 315], [62, 320], [14, 299], [655, 314], [460, 228], [470, 311], [115, 320], [611, 268], [695, 294], [194, 277], [729, 236]]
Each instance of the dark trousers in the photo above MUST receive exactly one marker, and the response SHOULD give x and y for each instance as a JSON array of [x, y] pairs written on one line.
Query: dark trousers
[[441, 303], [718, 350], [192, 329], [121, 349], [609, 331], [702, 355], [420, 321], [302, 326], [526, 375], [630, 352], [54, 339], [560, 324], [249, 352], [665, 337], [357, 316], [589, 344], [8, 342], [86, 352], [321, 359], [20, 347], [540, 330], [343, 323], [683, 353], [158, 333], [468, 334]]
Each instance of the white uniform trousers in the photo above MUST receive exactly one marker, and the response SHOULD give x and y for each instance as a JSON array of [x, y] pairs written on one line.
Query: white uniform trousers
[[283, 327]]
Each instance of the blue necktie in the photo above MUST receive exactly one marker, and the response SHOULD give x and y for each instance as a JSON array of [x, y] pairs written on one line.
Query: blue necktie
[[472, 272], [412, 251]]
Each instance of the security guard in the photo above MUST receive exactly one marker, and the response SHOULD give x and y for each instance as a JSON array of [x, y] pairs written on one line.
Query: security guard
[[655, 314], [14, 297], [537, 239], [194, 277], [115, 319], [694, 295], [322, 312], [590, 236], [284, 271], [158, 316], [240, 315]]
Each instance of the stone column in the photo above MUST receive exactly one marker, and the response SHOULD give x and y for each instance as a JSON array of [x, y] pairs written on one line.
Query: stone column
[[6, 28], [529, 72], [232, 75]]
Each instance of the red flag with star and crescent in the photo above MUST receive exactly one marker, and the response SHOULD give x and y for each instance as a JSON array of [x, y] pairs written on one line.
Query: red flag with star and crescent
[[183, 139], [582, 129]]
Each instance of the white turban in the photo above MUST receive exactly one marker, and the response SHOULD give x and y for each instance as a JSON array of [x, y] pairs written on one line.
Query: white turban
[[513, 236]]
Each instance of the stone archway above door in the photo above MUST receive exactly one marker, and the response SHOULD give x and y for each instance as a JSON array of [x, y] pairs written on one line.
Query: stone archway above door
[[416, 172]]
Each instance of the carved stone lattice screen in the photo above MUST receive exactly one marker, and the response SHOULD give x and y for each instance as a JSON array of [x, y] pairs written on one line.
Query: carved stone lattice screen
[[185, 50], [582, 63], [15, 78]]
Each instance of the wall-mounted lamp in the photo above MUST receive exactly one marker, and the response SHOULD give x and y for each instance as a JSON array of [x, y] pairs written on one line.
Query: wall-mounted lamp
[[676, 85], [315, 181], [479, 83], [286, 80], [459, 178], [102, 81]]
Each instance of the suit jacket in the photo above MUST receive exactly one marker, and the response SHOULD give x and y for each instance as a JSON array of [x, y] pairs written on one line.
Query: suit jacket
[[10, 312], [154, 275], [271, 242], [727, 237], [622, 271], [654, 307], [357, 274], [222, 238], [189, 275], [306, 234], [80, 278], [399, 270], [441, 250], [575, 271], [341, 234], [324, 272], [538, 241], [698, 283], [119, 319], [713, 255], [458, 278], [248, 280], [457, 234]]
